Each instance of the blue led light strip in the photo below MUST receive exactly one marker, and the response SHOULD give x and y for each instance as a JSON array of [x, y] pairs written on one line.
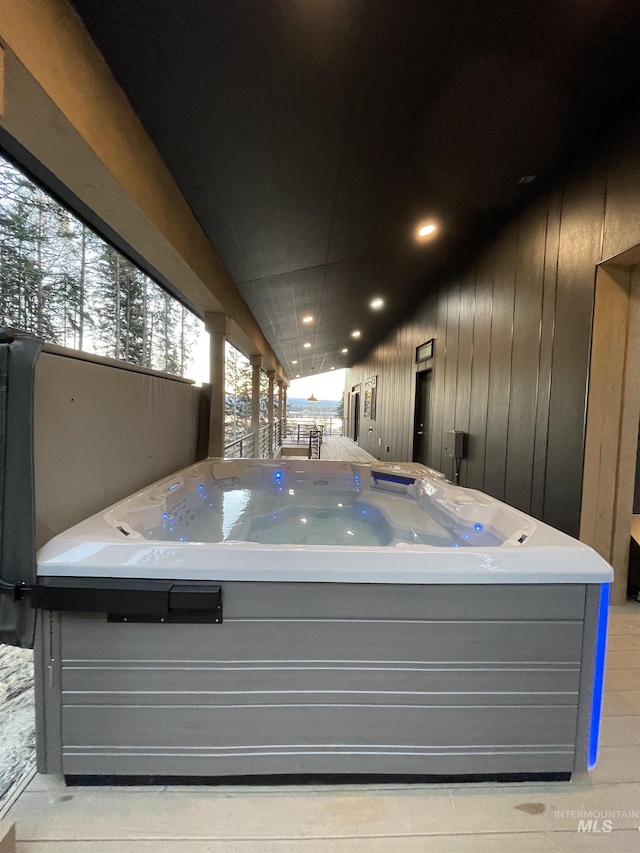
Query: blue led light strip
[[393, 478], [598, 676]]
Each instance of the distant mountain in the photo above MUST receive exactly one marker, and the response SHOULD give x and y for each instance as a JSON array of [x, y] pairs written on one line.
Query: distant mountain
[[302, 402]]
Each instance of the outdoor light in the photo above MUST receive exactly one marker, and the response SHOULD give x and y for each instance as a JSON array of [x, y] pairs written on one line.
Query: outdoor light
[[427, 229], [307, 319], [376, 303], [312, 399], [332, 368], [307, 345], [356, 333], [294, 362], [344, 350]]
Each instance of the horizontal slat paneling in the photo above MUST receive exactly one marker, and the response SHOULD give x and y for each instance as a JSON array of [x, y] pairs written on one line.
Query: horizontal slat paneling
[[206, 727], [323, 692], [287, 684], [326, 639], [346, 601], [350, 761]]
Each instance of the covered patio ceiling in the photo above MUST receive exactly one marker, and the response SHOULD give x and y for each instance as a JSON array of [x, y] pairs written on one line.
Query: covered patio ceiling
[[311, 137]]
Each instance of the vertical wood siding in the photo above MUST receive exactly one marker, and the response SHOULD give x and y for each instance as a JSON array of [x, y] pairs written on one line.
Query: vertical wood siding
[[513, 338]]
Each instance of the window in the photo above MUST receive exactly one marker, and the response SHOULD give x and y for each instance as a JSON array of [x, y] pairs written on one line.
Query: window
[[238, 373], [370, 397], [61, 281]]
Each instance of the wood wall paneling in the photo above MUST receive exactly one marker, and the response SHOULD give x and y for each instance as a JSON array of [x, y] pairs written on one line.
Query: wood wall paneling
[[612, 420], [465, 360], [607, 374], [524, 358], [627, 445], [450, 373], [580, 250], [437, 381], [545, 351], [483, 311], [512, 350], [504, 277], [622, 214]]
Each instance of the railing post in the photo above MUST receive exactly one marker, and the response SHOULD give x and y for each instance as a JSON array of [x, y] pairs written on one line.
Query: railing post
[[216, 325], [256, 364], [270, 406], [284, 406], [281, 386]]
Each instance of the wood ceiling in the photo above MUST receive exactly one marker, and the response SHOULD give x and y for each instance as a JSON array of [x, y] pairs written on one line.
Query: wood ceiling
[[311, 136]]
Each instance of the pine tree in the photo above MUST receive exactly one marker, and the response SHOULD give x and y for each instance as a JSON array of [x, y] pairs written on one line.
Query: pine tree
[[22, 254], [238, 372], [61, 281], [264, 397], [121, 311]]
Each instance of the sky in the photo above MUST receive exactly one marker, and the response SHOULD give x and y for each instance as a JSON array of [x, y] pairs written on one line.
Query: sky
[[325, 386]]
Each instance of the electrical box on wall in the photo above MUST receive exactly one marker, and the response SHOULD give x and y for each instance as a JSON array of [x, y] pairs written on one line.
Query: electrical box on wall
[[457, 444]]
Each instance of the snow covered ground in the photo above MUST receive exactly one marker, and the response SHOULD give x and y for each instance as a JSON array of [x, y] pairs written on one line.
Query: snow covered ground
[[17, 718]]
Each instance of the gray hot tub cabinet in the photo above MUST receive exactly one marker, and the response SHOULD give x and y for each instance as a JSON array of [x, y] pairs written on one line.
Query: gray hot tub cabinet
[[314, 678]]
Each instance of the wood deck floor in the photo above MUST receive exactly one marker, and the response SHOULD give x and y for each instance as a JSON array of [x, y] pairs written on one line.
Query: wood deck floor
[[341, 449], [336, 449], [364, 818]]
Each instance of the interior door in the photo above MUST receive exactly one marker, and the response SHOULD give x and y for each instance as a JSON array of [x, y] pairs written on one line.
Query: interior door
[[422, 418]]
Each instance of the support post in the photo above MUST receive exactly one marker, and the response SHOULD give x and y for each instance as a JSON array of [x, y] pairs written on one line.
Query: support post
[[284, 407], [280, 398], [270, 410], [216, 324], [256, 364]]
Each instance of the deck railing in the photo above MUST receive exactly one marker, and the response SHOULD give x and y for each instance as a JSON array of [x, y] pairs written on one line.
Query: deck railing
[[298, 428], [298, 433], [264, 441], [241, 448], [269, 443], [278, 435], [315, 443]]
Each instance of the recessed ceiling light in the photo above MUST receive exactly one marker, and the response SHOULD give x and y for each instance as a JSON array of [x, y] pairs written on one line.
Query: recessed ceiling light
[[344, 350], [294, 362], [332, 368], [297, 376], [307, 345], [527, 179], [307, 319], [356, 333], [376, 303]]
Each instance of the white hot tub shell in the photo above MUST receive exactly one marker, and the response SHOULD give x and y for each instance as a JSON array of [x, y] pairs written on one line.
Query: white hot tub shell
[[252, 618]]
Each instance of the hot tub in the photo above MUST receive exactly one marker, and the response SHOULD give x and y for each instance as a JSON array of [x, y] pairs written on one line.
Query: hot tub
[[268, 617]]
